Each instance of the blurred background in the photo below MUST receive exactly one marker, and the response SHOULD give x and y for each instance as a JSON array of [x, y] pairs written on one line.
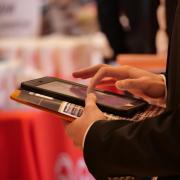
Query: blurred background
[[54, 38]]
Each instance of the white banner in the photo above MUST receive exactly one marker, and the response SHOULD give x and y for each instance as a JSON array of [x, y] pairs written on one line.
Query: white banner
[[19, 18]]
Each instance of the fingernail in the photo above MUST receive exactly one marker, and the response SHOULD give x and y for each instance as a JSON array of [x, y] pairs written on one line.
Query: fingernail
[[119, 85]]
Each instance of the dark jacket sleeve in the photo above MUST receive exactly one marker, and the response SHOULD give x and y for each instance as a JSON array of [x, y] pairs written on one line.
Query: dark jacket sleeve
[[146, 148]]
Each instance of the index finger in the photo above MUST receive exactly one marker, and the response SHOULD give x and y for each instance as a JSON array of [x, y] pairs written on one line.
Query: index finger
[[88, 72], [115, 72]]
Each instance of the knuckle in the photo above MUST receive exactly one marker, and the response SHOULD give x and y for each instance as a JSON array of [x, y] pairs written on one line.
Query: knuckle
[[146, 78], [99, 66], [104, 65], [103, 70], [77, 143], [126, 67], [70, 130]]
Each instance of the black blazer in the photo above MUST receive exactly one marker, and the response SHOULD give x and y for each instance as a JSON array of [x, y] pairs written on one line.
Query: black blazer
[[147, 148]]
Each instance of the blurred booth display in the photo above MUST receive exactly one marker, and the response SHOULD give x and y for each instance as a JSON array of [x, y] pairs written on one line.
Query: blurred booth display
[[69, 17], [35, 146], [20, 18], [149, 62], [23, 59]]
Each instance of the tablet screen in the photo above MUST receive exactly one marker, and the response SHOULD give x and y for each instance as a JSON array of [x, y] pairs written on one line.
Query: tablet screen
[[80, 92]]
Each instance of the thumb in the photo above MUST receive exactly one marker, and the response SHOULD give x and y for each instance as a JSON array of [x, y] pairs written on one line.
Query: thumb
[[90, 99]]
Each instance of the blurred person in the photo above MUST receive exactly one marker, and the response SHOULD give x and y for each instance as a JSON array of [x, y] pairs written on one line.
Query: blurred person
[[132, 22], [113, 149], [128, 23]]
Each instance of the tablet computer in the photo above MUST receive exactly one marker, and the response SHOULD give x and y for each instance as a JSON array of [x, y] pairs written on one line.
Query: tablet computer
[[111, 103], [69, 111]]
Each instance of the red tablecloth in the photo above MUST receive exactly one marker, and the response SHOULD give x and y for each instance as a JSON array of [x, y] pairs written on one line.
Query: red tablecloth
[[34, 146]]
